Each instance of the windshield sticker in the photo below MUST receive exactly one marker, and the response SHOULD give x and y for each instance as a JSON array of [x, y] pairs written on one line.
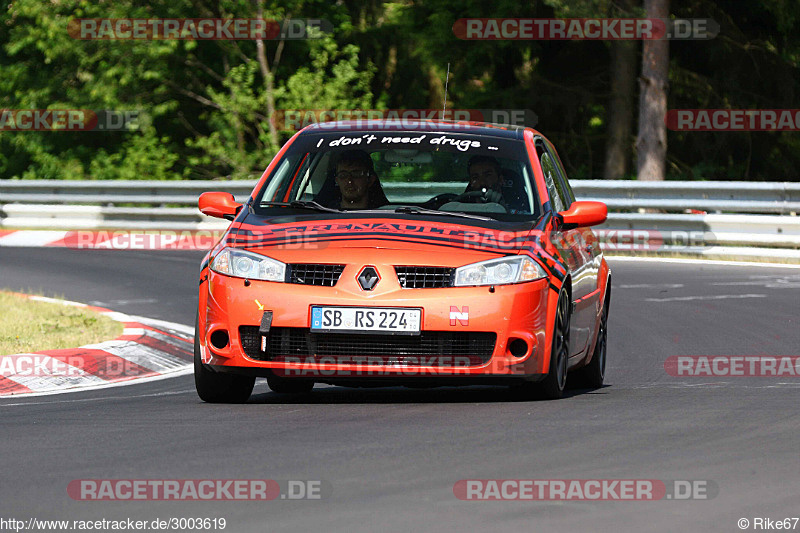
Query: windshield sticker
[[442, 140], [461, 144]]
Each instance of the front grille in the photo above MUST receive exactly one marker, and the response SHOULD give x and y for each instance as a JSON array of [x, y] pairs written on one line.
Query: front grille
[[313, 274], [439, 348], [424, 277]]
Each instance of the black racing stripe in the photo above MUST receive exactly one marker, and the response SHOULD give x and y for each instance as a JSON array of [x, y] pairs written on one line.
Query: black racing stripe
[[396, 237], [543, 221], [555, 263], [327, 236], [550, 263], [204, 264], [522, 243], [496, 250], [544, 254], [536, 249], [550, 266]]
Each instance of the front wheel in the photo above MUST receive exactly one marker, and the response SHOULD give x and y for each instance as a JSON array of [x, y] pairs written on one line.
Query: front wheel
[[592, 375], [552, 387], [214, 387]]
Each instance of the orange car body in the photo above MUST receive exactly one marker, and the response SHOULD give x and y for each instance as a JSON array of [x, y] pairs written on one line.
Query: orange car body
[[483, 333]]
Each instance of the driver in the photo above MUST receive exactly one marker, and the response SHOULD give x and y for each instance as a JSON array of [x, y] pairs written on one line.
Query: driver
[[486, 174], [357, 183]]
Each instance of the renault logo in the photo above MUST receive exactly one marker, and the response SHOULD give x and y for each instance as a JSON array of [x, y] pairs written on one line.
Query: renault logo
[[368, 278]]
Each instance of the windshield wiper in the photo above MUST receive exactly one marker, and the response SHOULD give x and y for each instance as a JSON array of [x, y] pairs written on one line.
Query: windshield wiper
[[403, 209], [300, 204], [416, 210]]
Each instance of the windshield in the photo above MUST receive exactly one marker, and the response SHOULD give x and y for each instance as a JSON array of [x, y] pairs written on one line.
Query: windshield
[[431, 171]]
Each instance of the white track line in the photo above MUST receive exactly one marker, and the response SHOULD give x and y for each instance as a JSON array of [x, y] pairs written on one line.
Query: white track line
[[103, 398], [180, 372], [709, 297], [698, 261]]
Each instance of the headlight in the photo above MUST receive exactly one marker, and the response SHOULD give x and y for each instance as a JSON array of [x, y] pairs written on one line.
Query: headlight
[[241, 264], [499, 272]]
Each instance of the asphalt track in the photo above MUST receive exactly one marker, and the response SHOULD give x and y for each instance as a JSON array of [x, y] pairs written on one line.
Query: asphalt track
[[391, 456]]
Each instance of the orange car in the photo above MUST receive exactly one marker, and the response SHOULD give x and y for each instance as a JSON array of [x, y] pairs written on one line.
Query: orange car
[[421, 253]]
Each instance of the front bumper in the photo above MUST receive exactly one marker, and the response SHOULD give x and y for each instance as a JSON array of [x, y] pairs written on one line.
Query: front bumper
[[514, 313]]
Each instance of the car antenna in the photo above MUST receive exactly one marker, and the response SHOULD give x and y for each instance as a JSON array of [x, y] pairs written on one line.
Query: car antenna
[[446, 80]]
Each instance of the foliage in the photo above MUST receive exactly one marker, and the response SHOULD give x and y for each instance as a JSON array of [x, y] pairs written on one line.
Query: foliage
[[207, 102]]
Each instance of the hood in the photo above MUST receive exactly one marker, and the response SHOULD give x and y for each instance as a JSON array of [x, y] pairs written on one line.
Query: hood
[[314, 240]]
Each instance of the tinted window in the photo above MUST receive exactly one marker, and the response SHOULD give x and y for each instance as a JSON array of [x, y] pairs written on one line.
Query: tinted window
[[568, 195], [551, 179]]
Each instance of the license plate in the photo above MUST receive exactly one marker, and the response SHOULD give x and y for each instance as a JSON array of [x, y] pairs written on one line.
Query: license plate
[[366, 319]]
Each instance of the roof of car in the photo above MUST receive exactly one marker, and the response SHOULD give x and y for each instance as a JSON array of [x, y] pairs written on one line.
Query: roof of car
[[443, 126]]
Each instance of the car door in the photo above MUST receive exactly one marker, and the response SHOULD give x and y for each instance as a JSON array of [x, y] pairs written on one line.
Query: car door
[[578, 253]]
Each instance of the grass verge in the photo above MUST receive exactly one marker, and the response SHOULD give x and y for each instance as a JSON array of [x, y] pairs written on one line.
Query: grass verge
[[30, 326]]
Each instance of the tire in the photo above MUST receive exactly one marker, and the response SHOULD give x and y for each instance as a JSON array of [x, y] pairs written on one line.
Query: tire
[[552, 386], [215, 387], [592, 375], [289, 386]]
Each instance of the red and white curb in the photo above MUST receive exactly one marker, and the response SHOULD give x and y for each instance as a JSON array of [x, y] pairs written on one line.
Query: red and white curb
[[148, 349], [112, 239]]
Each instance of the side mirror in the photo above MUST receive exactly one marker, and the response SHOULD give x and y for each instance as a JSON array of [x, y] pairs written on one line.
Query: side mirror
[[219, 205], [583, 214]]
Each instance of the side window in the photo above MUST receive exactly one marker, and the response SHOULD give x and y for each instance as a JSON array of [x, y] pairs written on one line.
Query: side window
[[551, 179], [562, 182], [276, 186]]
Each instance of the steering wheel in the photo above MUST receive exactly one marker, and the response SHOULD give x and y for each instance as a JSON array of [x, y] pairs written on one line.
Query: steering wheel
[[439, 200], [483, 196]]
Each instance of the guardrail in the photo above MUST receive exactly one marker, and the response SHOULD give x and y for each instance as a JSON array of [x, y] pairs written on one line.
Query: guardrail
[[731, 219], [781, 198], [158, 193]]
